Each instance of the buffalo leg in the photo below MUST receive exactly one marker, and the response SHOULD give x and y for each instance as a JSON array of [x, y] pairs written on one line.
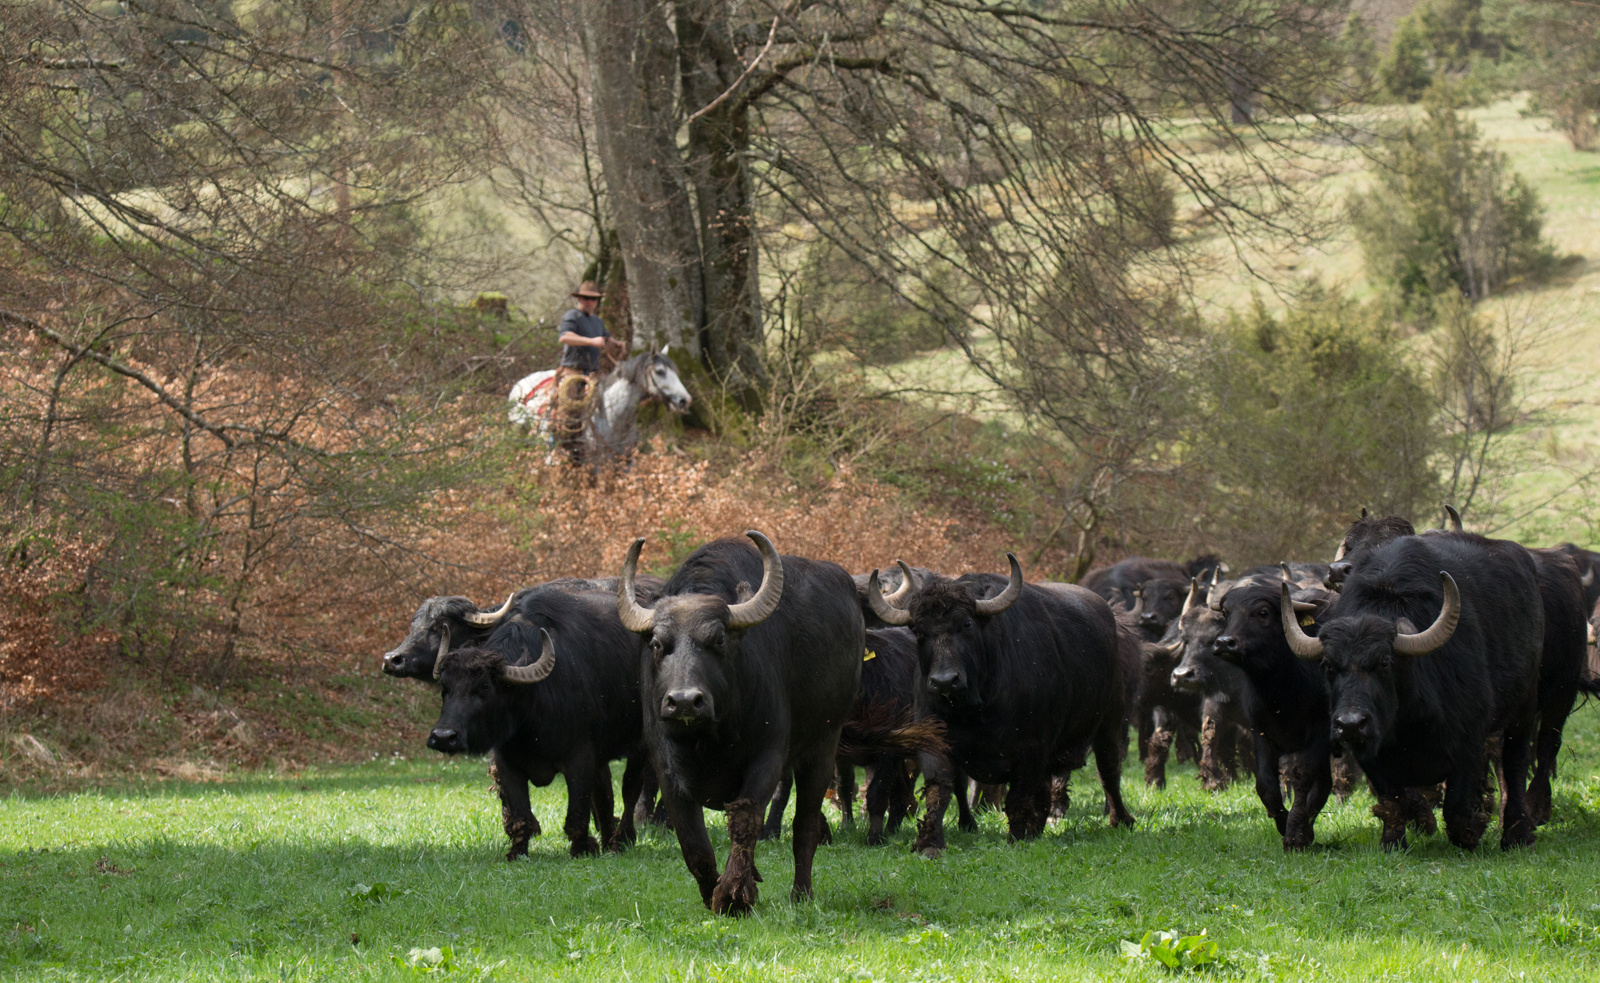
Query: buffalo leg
[[1553, 713], [736, 891], [580, 798], [811, 776], [516, 812], [1313, 780], [1268, 787], [689, 822], [773, 827], [1156, 750], [965, 820], [1213, 738], [1110, 742], [879, 791], [902, 791], [937, 783], [1027, 804], [633, 773], [605, 823], [1464, 815], [847, 791], [1516, 825]]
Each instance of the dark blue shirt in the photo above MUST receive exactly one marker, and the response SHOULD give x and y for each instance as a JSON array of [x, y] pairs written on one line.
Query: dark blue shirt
[[588, 325]]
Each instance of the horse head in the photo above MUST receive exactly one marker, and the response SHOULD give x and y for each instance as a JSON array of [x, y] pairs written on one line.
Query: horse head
[[657, 377]]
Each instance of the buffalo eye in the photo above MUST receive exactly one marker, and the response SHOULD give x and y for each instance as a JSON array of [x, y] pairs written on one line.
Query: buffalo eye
[[656, 647], [1263, 612], [967, 626], [719, 640]]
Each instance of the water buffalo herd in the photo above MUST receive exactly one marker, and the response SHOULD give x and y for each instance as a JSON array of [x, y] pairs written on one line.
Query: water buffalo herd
[[1437, 668]]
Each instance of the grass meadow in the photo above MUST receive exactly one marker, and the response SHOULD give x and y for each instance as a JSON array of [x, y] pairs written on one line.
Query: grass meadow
[[357, 873]]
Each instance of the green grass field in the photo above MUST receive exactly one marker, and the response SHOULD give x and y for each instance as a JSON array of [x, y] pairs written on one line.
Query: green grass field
[[273, 877]]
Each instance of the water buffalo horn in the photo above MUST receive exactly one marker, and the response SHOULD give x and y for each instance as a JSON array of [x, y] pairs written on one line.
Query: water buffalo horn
[[635, 616], [1436, 634], [898, 598], [760, 607], [1303, 645], [488, 619], [1194, 594], [1591, 633], [536, 672], [444, 647], [1007, 597], [1284, 566], [1176, 645], [1452, 518], [1138, 604], [1587, 579], [1363, 511], [881, 607]]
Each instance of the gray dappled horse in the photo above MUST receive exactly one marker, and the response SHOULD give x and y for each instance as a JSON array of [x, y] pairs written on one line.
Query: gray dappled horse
[[611, 426]]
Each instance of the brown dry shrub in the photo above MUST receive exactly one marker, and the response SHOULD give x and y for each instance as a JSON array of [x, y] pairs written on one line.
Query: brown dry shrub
[[43, 656]]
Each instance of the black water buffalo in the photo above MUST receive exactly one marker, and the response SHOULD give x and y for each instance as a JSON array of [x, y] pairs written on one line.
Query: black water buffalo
[[1588, 564], [1418, 707], [1221, 688], [898, 581], [1365, 535], [885, 703], [737, 690], [1286, 703], [1027, 680], [1564, 592], [1562, 663], [1119, 581], [570, 712], [448, 622]]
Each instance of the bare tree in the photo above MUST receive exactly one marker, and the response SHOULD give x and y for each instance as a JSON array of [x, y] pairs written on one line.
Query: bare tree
[[206, 210]]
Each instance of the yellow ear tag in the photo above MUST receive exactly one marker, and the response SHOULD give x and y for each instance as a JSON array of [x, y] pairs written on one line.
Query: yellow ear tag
[[1306, 621], [869, 656]]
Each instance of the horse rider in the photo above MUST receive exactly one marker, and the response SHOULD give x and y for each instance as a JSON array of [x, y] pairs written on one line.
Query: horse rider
[[583, 338]]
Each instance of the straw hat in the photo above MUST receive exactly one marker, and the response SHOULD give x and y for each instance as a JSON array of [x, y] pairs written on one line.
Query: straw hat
[[588, 289]]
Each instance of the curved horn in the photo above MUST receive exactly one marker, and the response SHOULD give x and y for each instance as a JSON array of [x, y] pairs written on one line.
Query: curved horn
[[1363, 511], [635, 616], [1138, 604], [1007, 597], [898, 598], [1303, 645], [1452, 518], [1591, 633], [1436, 634], [1194, 594], [1587, 579], [444, 648], [891, 615], [1175, 646], [760, 607], [536, 672], [1284, 566], [488, 619]]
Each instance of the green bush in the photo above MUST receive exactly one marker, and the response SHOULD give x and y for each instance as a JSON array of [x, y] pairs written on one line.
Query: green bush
[[1303, 417], [1445, 214], [1441, 39]]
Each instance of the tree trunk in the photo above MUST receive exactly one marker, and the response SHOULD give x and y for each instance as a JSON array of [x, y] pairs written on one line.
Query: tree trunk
[[633, 67], [717, 166]]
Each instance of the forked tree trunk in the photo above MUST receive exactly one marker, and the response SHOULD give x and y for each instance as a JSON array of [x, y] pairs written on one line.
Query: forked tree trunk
[[633, 70]]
